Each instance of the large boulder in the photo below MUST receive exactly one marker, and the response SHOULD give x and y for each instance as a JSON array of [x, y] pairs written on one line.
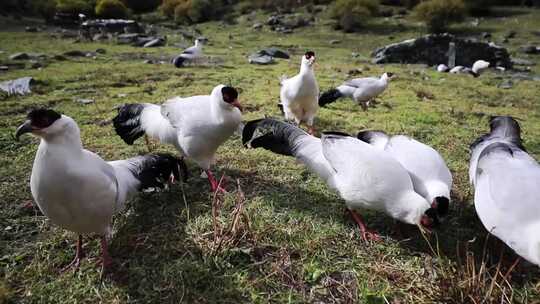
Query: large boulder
[[433, 49]]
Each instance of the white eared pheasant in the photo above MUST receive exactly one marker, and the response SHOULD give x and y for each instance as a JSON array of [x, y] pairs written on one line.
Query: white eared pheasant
[[507, 187], [361, 90], [365, 177], [478, 68], [79, 191], [192, 53], [195, 125], [430, 176], [299, 94]]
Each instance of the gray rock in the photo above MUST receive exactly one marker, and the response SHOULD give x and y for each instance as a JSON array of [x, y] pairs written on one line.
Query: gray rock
[[506, 84], [530, 49], [335, 41], [19, 56], [433, 49], [486, 35], [36, 65], [257, 26], [31, 29], [520, 61], [127, 38], [100, 37], [19, 86], [75, 53], [260, 59], [510, 35], [274, 52], [101, 51], [273, 20], [85, 101], [155, 42], [4, 68], [59, 57]]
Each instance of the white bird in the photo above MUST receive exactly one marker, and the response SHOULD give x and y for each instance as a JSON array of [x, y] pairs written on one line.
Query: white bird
[[507, 187], [79, 191], [365, 177], [195, 125], [430, 176], [192, 53], [442, 68], [361, 90], [478, 67], [299, 94]]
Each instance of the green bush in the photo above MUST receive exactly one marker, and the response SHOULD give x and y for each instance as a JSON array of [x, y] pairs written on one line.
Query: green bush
[[142, 6], [192, 11], [75, 6], [438, 14], [352, 14], [111, 9]]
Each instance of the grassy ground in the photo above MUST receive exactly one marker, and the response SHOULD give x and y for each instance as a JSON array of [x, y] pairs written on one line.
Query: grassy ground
[[291, 242]]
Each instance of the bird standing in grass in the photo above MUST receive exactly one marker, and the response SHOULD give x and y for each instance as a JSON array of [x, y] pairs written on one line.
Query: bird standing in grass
[[429, 174], [365, 177], [361, 90], [190, 54], [299, 94], [507, 187], [196, 126], [79, 191]]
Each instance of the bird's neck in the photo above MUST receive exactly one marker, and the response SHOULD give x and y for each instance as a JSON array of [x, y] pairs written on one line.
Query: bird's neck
[[435, 189], [305, 69], [68, 141], [384, 79]]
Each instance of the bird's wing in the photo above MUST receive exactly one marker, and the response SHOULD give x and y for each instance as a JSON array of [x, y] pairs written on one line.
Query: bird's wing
[[188, 115], [365, 82]]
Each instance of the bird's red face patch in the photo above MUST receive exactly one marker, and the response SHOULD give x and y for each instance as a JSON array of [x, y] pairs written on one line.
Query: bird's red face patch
[[309, 54]]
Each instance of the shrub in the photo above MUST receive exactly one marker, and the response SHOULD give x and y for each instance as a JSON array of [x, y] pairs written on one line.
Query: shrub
[[142, 6], [111, 9], [351, 14], [75, 6], [192, 11], [438, 14]]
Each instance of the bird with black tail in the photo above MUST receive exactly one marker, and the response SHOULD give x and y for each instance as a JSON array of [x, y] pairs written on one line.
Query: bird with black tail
[[429, 173], [363, 176], [196, 126], [506, 183], [79, 191], [361, 90]]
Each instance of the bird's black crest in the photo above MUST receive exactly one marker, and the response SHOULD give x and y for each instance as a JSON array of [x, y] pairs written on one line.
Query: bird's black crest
[[127, 123], [433, 215], [442, 205], [42, 118], [329, 97], [230, 94], [309, 54], [390, 74]]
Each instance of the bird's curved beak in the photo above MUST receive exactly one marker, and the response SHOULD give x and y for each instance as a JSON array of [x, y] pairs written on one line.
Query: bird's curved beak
[[26, 127], [237, 104]]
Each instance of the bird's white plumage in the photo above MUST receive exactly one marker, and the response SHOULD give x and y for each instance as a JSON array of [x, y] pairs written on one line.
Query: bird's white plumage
[[479, 66], [442, 68], [195, 125], [75, 188], [299, 94], [362, 90], [430, 175], [193, 52], [507, 187]]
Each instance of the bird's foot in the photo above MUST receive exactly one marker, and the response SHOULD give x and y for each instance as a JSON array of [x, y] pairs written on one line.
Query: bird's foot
[[215, 186], [368, 235], [75, 264], [106, 260]]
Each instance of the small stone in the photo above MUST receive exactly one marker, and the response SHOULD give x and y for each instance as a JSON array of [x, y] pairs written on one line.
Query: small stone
[[36, 65], [530, 49], [510, 35], [75, 53], [155, 43], [257, 26], [519, 61], [59, 57], [122, 95], [507, 84], [260, 59], [4, 68], [31, 29], [101, 51], [19, 56], [335, 41], [486, 35], [85, 101], [274, 52]]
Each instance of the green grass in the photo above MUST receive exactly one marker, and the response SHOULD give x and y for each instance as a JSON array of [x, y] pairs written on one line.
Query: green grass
[[294, 243]]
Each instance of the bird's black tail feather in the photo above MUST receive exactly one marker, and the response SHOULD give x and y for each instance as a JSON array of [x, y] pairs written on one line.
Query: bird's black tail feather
[[271, 134], [178, 61], [329, 97], [127, 123], [504, 127], [154, 170]]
